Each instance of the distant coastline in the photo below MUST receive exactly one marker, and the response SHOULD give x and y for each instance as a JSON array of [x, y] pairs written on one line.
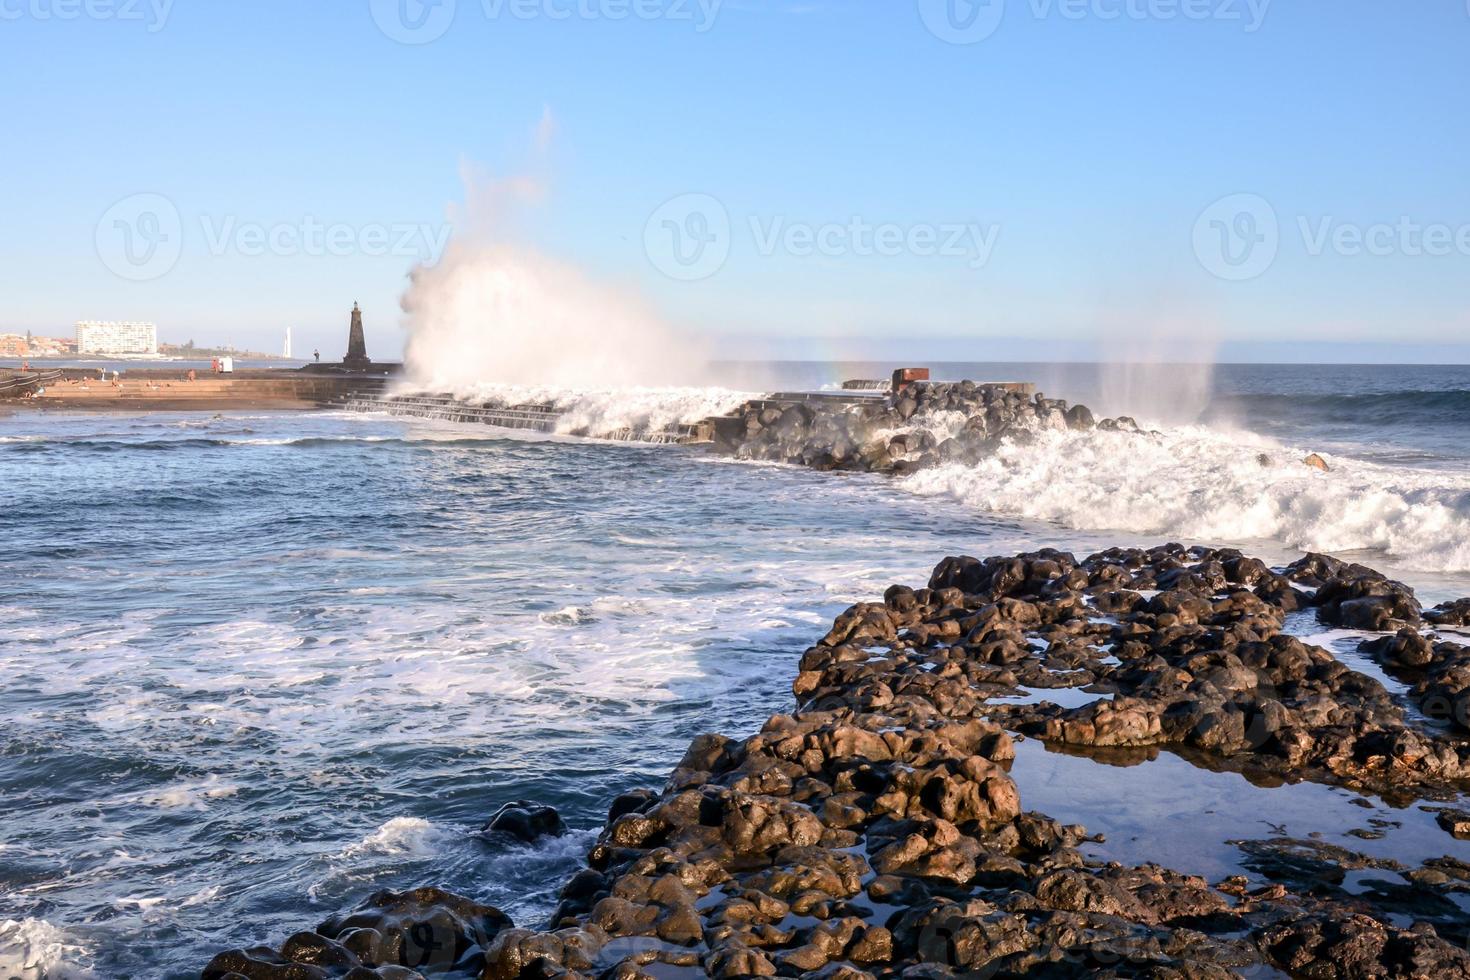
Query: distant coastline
[[197, 358], [171, 355]]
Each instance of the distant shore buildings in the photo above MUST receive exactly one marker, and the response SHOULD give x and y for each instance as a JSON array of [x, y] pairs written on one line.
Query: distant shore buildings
[[29, 345], [113, 337], [107, 340]]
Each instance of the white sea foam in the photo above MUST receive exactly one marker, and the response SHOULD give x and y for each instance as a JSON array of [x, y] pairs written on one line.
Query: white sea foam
[[604, 411], [188, 795], [204, 896], [34, 949], [1207, 485], [397, 842], [402, 837], [568, 616]]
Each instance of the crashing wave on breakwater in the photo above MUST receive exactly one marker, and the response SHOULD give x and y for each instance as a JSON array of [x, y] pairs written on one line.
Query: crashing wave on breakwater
[[1198, 482], [598, 413]]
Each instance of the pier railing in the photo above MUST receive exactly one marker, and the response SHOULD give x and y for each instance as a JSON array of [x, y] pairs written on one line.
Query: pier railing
[[18, 385]]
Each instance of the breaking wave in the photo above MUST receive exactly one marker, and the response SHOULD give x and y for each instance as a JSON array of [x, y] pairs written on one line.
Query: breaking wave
[[400, 836], [1203, 484]]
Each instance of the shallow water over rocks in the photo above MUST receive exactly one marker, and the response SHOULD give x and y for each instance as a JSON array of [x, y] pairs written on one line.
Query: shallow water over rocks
[[1154, 805]]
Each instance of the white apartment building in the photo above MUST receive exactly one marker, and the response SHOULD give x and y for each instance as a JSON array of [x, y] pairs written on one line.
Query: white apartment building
[[129, 337]]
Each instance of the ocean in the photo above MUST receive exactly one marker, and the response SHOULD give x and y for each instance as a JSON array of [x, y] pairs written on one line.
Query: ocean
[[258, 665]]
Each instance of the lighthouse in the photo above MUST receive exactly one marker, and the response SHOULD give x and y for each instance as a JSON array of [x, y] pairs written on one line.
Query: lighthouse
[[356, 359]]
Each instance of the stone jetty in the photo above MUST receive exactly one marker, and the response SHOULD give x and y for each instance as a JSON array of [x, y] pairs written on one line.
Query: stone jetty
[[875, 830], [911, 426], [919, 424]]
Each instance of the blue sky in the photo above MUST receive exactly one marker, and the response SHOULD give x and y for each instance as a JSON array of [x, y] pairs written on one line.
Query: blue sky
[[1073, 157]]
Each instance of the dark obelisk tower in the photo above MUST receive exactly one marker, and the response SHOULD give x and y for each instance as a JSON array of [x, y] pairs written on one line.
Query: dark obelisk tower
[[356, 359]]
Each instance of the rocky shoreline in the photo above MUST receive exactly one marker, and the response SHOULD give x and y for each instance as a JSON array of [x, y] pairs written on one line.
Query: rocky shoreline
[[876, 830]]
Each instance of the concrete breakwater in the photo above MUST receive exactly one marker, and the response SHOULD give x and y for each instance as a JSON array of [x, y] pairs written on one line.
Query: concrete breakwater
[[877, 830], [172, 390]]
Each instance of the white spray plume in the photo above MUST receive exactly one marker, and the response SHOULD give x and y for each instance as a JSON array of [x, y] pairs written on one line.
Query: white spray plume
[[494, 310], [502, 313], [1160, 368]]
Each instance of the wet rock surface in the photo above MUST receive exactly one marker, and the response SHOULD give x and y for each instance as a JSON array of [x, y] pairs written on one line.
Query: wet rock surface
[[1187, 648], [876, 831], [392, 936], [925, 424], [525, 821]]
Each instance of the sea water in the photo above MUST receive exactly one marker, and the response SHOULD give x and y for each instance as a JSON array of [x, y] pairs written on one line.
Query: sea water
[[259, 665]]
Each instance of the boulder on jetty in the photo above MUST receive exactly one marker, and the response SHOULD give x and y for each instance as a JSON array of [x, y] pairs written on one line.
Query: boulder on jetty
[[924, 424], [876, 831]]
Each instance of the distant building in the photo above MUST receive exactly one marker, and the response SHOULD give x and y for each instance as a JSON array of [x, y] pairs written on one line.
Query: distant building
[[129, 337], [14, 345]]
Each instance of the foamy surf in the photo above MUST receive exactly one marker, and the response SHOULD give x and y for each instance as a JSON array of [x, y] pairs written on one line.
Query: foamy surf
[[1202, 484], [34, 949], [399, 837]]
